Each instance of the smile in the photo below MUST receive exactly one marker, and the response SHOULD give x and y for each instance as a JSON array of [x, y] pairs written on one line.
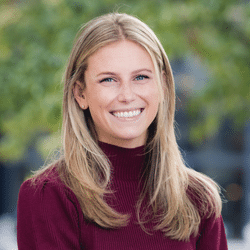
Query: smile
[[127, 114]]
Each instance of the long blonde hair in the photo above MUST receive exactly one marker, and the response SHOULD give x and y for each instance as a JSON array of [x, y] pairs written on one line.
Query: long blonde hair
[[178, 196]]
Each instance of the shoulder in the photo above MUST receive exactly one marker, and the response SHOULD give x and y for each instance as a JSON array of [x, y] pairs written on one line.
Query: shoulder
[[41, 182], [48, 213], [45, 189], [204, 194], [212, 234]]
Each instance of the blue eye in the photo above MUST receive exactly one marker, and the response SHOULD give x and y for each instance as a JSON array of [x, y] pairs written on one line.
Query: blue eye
[[141, 77], [107, 80]]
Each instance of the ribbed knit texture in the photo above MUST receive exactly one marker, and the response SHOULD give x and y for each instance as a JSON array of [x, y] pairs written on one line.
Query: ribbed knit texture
[[49, 216]]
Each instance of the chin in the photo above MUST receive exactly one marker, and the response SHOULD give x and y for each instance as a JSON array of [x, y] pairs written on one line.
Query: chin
[[131, 138]]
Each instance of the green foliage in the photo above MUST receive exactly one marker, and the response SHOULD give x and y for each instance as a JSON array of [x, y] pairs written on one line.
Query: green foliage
[[37, 36]]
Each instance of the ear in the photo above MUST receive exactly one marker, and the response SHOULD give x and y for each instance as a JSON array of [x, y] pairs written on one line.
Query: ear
[[79, 95]]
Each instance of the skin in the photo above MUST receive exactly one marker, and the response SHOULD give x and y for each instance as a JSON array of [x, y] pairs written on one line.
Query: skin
[[120, 77]]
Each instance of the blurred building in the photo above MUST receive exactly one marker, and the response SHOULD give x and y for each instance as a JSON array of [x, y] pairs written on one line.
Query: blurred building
[[224, 157]]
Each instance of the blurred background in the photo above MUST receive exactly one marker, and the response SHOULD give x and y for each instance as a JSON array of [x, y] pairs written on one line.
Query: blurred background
[[208, 44]]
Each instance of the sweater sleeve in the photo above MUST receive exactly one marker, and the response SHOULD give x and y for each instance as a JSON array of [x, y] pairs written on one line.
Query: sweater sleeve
[[47, 218], [212, 235]]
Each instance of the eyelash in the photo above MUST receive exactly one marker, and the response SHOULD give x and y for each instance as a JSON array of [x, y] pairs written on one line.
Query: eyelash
[[105, 79], [109, 78], [144, 76]]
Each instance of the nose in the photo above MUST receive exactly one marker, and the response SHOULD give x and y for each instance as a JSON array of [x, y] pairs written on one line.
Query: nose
[[126, 93]]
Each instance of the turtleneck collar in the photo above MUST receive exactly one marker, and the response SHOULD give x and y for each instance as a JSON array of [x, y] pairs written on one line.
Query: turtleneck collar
[[127, 163]]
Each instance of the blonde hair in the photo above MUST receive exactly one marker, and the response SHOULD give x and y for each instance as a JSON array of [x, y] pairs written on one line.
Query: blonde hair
[[178, 196]]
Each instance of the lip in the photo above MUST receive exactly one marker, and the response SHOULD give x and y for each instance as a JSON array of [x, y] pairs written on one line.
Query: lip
[[126, 110], [128, 119]]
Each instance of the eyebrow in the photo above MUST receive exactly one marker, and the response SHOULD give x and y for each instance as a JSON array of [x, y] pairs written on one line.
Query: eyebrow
[[134, 72]]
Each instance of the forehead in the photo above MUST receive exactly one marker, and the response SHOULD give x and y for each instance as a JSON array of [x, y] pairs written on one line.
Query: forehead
[[121, 55]]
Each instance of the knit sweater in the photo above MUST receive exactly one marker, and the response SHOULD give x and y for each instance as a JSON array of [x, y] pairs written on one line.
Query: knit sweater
[[49, 216]]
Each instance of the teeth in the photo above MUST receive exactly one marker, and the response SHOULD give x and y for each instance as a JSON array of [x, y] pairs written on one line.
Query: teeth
[[127, 114]]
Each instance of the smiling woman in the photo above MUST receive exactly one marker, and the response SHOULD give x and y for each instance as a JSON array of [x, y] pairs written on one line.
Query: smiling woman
[[121, 182]]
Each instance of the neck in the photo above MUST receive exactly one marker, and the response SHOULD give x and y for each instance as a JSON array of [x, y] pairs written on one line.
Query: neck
[[126, 163]]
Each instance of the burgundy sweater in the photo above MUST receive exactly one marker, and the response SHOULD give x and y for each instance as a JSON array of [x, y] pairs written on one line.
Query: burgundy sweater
[[49, 216]]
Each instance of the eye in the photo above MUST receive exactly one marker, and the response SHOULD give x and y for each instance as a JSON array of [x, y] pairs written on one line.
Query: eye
[[141, 77], [107, 80]]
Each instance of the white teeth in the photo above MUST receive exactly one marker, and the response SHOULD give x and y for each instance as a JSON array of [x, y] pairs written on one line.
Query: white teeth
[[127, 114]]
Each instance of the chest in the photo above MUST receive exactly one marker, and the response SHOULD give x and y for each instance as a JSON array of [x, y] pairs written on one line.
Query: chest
[[131, 237]]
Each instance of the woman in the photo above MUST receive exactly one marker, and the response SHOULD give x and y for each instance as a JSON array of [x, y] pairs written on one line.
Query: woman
[[121, 182]]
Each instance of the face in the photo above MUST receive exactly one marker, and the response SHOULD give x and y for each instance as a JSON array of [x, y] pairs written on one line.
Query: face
[[121, 93]]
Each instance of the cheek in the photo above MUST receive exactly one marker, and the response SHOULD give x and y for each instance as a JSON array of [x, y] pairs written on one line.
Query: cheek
[[99, 103], [96, 97], [154, 107], [154, 99], [102, 95]]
